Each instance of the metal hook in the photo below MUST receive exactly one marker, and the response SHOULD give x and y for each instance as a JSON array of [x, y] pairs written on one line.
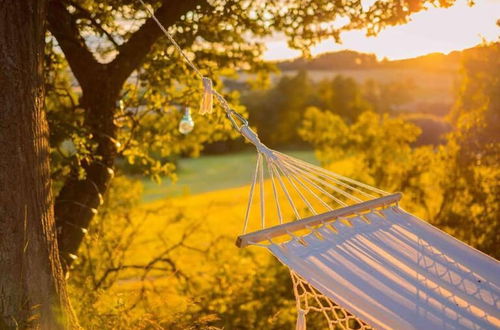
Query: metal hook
[[231, 114]]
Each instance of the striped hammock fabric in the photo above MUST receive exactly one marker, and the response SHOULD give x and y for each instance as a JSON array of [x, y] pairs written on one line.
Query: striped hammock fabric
[[398, 272]]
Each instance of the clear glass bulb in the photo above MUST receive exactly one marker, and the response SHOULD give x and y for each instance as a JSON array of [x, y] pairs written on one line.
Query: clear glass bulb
[[186, 124]]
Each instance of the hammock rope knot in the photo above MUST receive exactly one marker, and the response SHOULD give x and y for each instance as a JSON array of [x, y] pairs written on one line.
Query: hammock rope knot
[[253, 138]]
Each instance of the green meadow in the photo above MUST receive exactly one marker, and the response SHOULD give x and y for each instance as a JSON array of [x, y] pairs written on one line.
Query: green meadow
[[209, 173]]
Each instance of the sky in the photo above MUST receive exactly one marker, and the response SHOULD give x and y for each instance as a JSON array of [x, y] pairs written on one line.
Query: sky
[[434, 30]]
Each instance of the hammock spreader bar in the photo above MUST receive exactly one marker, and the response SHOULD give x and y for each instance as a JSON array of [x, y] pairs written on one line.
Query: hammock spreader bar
[[284, 229]]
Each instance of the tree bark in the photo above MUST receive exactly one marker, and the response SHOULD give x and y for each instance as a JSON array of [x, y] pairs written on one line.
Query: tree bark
[[32, 285]]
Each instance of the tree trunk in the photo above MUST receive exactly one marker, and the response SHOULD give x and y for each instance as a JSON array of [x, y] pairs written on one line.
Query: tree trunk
[[32, 286], [79, 199]]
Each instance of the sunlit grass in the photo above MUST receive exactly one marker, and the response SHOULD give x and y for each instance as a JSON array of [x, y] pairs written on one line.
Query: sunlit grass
[[210, 173]]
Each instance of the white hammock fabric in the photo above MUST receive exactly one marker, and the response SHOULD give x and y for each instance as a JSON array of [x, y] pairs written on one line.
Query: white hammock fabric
[[398, 272], [363, 255]]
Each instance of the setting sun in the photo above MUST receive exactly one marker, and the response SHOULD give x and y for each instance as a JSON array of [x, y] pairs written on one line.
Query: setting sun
[[435, 30]]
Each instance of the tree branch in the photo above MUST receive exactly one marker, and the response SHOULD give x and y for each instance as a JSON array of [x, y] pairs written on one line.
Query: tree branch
[[86, 14], [63, 26], [133, 52]]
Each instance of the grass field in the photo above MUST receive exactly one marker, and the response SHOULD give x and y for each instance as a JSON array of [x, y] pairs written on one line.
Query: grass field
[[210, 173]]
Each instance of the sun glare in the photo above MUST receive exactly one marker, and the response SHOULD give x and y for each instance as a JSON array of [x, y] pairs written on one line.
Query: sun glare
[[435, 30]]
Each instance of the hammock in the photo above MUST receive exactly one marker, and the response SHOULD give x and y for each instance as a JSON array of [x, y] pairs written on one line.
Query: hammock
[[354, 255], [398, 273], [366, 263]]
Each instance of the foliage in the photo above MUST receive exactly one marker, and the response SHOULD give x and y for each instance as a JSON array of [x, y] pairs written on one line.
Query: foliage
[[455, 186], [173, 265], [282, 107], [105, 249], [69, 139], [215, 35], [471, 181], [343, 96], [363, 143], [388, 97], [278, 111], [147, 138]]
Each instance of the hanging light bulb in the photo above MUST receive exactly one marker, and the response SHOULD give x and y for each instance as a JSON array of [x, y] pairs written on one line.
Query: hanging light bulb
[[186, 124]]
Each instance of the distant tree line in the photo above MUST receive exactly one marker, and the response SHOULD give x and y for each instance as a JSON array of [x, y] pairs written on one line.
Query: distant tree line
[[277, 112]]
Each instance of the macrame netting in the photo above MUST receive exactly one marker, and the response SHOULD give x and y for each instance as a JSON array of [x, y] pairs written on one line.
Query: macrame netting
[[311, 300]]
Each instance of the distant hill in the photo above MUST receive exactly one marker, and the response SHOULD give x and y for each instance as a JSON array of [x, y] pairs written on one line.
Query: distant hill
[[345, 59], [430, 62], [352, 60]]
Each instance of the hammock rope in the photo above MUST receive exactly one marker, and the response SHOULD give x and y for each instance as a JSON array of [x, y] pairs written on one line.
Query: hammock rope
[[317, 190], [349, 246], [172, 40]]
